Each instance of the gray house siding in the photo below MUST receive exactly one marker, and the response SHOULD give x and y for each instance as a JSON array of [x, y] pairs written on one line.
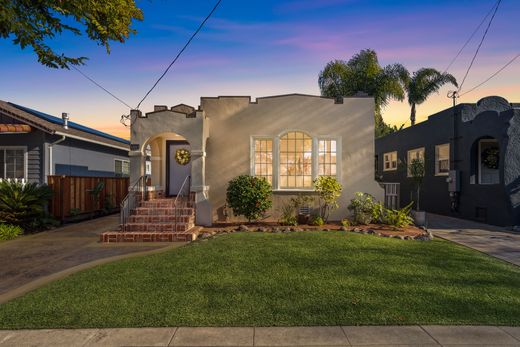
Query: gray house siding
[[79, 158], [497, 204]]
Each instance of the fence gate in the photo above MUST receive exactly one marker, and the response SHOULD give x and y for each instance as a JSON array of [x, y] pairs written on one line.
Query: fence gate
[[391, 195]]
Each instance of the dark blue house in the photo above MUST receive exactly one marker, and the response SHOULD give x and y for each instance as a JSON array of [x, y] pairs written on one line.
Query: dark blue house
[[34, 145], [472, 161]]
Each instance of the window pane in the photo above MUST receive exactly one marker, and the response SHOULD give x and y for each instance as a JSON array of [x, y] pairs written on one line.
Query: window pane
[[2, 163], [327, 158], [14, 163], [295, 159], [263, 158]]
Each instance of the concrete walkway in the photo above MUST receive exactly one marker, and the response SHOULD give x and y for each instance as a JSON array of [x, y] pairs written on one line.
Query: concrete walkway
[[495, 241], [32, 261], [278, 336]]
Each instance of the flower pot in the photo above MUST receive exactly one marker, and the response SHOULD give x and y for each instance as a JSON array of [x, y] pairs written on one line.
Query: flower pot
[[419, 217]]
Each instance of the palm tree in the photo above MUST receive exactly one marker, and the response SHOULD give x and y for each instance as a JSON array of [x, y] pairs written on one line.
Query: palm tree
[[362, 73], [423, 83]]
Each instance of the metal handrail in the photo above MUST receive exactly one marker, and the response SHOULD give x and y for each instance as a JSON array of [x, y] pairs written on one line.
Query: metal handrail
[[182, 199], [136, 194]]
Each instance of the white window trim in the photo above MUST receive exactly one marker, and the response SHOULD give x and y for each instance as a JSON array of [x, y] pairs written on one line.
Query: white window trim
[[408, 161], [25, 159], [479, 158], [437, 172], [276, 157], [252, 161], [122, 160], [384, 162]]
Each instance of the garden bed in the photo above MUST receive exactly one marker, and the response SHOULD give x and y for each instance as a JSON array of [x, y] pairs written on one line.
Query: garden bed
[[405, 233]]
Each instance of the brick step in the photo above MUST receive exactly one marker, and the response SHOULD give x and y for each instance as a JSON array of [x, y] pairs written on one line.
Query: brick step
[[166, 203], [137, 218], [158, 227], [163, 211], [117, 236]]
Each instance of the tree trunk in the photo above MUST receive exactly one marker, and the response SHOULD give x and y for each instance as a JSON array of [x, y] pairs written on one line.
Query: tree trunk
[[412, 114]]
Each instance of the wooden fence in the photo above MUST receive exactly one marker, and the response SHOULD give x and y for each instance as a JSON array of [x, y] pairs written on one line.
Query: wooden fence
[[77, 195]]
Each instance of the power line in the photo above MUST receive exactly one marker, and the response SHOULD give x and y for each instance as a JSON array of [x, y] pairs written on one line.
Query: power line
[[180, 52], [100, 86], [470, 38], [493, 75], [479, 45]]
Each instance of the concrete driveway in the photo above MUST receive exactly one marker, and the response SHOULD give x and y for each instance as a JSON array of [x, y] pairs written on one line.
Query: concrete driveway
[[495, 241], [31, 261]]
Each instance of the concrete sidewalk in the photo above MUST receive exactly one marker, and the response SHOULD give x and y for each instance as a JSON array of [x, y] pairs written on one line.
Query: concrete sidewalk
[[434, 335], [495, 241]]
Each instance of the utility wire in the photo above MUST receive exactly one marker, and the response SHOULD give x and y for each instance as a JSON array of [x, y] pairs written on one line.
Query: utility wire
[[470, 38], [479, 45], [493, 75], [180, 52], [100, 86]]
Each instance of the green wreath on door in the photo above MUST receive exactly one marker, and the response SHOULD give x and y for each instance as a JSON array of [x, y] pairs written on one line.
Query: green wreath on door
[[182, 156]]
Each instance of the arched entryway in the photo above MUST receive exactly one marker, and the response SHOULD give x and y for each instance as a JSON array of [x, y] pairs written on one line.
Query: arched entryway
[[170, 160]]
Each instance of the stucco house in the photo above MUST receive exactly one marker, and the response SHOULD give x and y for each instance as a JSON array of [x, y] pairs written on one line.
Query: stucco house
[[288, 139], [34, 145], [472, 161]]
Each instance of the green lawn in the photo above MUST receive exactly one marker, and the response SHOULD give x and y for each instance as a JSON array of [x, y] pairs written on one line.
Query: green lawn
[[305, 278]]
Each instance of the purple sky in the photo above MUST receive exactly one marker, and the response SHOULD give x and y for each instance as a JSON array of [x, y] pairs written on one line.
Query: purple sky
[[266, 47]]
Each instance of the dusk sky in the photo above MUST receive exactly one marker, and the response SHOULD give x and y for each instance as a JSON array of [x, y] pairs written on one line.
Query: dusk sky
[[265, 47]]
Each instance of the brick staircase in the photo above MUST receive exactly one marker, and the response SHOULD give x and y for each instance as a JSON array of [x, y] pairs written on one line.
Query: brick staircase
[[155, 221]]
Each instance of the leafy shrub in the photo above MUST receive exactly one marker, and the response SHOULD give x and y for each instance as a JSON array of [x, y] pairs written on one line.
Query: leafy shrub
[[22, 204], [288, 216], [317, 220], [249, 196], [398, 218], [346, 223], [329, 190], [9, 232], [363, 208]]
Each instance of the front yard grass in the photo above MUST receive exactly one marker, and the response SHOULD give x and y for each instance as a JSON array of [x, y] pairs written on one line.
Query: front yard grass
[[304, 278]]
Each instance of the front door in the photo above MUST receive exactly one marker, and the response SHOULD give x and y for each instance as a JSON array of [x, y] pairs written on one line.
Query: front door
[[178, 166]]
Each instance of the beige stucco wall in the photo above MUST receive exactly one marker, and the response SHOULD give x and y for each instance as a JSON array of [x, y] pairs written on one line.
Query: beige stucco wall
[[235, 119]]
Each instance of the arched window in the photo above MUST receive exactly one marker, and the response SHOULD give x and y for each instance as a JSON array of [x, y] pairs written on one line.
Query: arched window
[[295, 160]]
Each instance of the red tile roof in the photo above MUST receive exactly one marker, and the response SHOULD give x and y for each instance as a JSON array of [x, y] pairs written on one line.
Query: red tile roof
[[15, 128]]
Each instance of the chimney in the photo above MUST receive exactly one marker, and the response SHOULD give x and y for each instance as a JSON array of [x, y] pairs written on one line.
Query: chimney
[[65, 117], [158, 108]]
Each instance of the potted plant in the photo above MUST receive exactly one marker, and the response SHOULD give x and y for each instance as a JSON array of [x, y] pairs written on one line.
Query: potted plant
[[417, 172]]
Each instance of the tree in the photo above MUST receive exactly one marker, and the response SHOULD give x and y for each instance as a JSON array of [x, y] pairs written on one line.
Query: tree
[[362, 73], [35, 23], [417, 172], [423, 83], [329, 190]]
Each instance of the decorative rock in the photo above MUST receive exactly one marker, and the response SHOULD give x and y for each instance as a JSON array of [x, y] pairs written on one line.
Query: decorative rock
[[243, 228], [298, 229], [400, 237], [356, 230], [370, 231], [343, 228], [426, 237], [205, 235], [408, 237], [277, 230], [287, 230]]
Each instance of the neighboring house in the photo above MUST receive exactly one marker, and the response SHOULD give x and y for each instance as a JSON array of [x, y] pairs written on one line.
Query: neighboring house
[[288, 139], [472, 159], [34, 145]]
